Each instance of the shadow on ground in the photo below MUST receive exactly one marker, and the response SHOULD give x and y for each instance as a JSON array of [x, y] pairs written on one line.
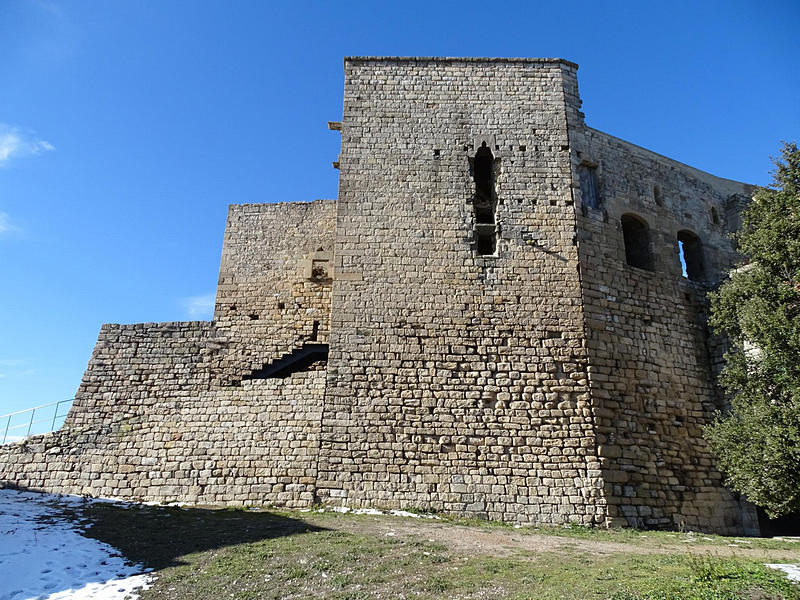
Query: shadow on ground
[[159, 536]]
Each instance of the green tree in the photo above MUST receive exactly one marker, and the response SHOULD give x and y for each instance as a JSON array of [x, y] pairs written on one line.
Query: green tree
[[757, 442]]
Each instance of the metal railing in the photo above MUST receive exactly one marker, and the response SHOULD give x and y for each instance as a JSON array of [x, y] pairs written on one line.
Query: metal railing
[[23, 421]]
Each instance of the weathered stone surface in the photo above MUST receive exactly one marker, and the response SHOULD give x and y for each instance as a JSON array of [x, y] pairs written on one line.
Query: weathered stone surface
[[439, 337]]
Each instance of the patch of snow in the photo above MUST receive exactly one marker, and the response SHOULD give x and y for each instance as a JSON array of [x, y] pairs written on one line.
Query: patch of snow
[[44, 556], [374, 511], [792, 571], [367, 511]]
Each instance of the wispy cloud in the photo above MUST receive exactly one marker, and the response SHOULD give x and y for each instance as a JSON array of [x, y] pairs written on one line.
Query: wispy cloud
[[199, 307], [13, 362], [16, 367], [16, 143], [6, 226]]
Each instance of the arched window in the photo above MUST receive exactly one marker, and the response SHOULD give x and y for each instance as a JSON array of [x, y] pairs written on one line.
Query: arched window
[[637, 242], [691, 255], [484, 202]]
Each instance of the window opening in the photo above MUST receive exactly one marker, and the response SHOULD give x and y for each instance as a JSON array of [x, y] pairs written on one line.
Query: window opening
[[314, 332], [485, 240], [589, 188], [636, 234], [714, 215], [691, 256], [484, 202]]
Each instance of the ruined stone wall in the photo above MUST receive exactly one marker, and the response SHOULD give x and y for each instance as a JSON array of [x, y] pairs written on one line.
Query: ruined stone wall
[[650, 361], [133, 366], [457, 381], [275, 281], [165, 412], [148, 424]]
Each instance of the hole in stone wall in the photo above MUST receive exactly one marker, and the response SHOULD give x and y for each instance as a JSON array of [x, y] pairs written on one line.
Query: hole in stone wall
[[437, 153], [691, 256], [714, 215], [253, 316], [485, 241], [488, 400], [484, 202], [522, 148], [636, 234], [314, 332], [483, 174], [319, 271], [281, 305]]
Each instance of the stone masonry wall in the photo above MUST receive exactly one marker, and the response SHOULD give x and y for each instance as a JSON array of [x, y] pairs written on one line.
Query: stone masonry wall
[[457, 381], [650, 369], [148, 425], [162, 413], [549, 382], [275, 281]]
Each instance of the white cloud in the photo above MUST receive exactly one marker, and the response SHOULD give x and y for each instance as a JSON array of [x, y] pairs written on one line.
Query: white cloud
[[15, 143], [6, 226], [199, 307]]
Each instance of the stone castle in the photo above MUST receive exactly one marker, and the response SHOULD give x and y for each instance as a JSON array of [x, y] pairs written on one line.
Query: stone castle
[[502, 315]]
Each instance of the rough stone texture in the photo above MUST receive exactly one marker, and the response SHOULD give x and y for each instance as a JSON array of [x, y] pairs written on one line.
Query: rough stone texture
[[274, 281], [456, 381], [549, 382], [650, 361], [252, 445]]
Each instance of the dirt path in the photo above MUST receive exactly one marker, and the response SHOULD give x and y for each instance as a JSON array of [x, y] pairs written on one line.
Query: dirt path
[[505, 542]]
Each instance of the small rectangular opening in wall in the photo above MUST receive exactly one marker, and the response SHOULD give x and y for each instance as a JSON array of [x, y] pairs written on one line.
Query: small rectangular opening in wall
[[485, 240]]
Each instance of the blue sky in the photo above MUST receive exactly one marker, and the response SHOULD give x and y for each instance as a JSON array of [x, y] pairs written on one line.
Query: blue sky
[[127, 127]]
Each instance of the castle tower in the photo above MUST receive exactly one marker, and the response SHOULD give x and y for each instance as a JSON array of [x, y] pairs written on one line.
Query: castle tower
[[511, 333], [503, 315], [458, 374]]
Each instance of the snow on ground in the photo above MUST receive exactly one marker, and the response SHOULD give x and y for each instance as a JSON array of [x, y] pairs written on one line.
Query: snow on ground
[[374, 511], [792, 571], [43, 556]]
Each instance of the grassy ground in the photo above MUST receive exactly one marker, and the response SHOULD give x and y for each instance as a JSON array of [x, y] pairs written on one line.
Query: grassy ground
[[199, 553]]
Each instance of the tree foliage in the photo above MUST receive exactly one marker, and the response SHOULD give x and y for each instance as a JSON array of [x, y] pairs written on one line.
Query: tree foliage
[[757, 442]]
